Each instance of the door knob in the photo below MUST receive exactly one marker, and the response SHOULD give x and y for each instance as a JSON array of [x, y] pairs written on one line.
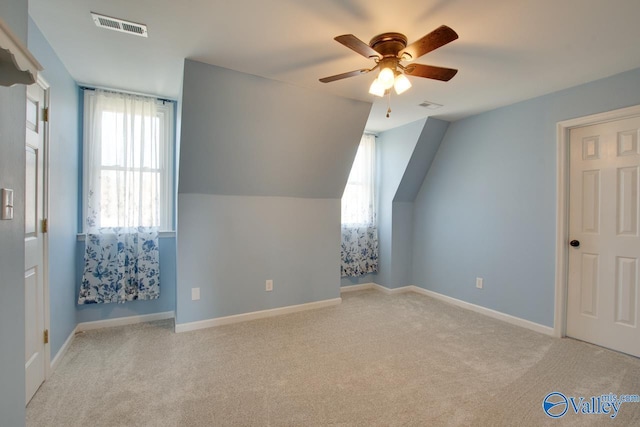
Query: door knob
[[575, 243]]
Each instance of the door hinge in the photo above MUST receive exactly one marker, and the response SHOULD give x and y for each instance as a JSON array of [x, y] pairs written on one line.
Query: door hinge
[[46, 336], [45, 114], [45, 225]]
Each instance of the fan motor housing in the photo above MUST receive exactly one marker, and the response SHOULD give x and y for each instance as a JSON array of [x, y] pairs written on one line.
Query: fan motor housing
[[388, 44]]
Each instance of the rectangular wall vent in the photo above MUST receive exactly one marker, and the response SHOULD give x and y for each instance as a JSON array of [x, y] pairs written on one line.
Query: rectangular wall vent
[[120, 25], [430, 105]]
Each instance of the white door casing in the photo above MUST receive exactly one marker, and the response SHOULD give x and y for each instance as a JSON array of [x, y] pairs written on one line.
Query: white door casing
[[35, 280], [602, 300], [562, 204]]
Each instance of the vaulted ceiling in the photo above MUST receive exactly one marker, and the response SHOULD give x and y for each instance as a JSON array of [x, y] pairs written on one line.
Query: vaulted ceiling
[[507, 51]]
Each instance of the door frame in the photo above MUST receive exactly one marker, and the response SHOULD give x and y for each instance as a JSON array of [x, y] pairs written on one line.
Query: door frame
[[563, 130], [45, 214]]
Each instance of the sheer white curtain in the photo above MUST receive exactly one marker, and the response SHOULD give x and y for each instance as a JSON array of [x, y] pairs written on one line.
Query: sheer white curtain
[[359, 245], [122, 160], [122, 180], [358, 199]]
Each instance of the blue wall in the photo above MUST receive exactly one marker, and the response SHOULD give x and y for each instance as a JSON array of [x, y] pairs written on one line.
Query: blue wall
[[262, 168], [421, 159], [229, 245], [401, 244], [487, 206], [393, 152], [251, 136], [403, 206], [404, 156], [12, 137], [64, 140], [358, 280]]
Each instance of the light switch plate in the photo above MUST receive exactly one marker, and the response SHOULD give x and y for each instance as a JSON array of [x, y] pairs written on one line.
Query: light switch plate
[[6, 203]]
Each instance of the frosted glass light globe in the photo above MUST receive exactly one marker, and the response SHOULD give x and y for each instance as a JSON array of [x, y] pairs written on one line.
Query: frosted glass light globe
[[376, 88], [401, 84], [386, 78]]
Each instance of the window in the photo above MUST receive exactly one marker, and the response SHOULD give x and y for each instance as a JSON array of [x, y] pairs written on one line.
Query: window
[[359, 239], [358, 199], [128, 161]]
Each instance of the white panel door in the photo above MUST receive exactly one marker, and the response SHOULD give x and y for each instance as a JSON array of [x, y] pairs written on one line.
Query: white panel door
[[603, 302], [33, 242]]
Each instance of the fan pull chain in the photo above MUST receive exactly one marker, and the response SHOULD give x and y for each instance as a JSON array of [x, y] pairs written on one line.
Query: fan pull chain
[[389, 105]]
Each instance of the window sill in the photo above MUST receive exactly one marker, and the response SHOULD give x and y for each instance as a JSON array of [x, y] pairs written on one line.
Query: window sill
[[161, 235]]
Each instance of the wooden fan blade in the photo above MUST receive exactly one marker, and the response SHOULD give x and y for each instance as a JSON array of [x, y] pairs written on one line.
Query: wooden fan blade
[[357, 45], [344, 75], [431, 72], [435, 39]]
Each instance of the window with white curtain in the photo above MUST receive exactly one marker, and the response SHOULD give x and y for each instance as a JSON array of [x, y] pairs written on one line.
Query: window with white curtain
[[128, 161], [128, 195], [359, 243], [358, 199]]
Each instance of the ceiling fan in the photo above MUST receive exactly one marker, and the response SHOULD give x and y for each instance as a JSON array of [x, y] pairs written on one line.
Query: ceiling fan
[[388, 50]]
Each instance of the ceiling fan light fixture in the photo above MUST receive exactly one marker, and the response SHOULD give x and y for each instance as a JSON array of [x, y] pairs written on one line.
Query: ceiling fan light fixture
[[386, 78], [377, 88], [388, 50], [401, 83]]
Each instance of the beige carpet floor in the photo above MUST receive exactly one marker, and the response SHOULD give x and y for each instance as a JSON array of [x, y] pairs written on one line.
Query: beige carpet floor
[[375, 359]]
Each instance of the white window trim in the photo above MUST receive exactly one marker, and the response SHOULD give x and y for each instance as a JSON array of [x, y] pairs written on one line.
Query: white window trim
[[166, 109], [81, 237]]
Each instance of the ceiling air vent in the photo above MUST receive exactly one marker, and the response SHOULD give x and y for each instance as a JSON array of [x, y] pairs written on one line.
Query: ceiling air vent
[[430, 105], [120, 25]]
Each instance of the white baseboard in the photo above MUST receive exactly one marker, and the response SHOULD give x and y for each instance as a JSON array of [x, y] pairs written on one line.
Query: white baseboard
[[63, 350], [469, 306], [486, 311], [244, 317], [360, 287], [393, 291], [364, 286], [121, 321], [99, 324]]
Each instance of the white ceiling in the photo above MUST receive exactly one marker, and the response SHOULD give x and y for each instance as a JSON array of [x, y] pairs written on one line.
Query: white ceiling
[[508, 50]]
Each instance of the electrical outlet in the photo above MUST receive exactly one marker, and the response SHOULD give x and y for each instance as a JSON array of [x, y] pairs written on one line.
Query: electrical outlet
[[479, 281], [269, 285], [195, 294]]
